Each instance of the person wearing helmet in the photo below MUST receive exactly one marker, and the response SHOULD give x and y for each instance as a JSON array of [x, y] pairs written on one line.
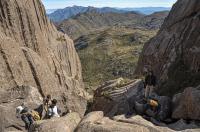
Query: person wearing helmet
[[25, 114]]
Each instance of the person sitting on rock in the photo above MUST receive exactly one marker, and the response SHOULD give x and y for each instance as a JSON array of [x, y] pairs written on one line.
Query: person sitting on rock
[[153, 108], [150, 83], [25, 114], [53, 109]]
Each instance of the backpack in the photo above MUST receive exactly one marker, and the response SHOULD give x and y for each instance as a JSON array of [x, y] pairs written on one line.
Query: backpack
[[35, 115]]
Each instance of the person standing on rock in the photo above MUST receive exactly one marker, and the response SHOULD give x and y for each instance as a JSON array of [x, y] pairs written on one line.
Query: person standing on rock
[[47, 102], [43, 108], [150, 83], [46, 105]]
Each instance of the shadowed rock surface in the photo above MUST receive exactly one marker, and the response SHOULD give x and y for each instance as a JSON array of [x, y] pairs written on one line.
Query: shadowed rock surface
[[175, 51], [187, 104], [34, 54]]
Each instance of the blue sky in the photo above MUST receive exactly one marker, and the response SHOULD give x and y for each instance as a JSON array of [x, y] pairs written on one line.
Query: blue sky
[[54, 4]]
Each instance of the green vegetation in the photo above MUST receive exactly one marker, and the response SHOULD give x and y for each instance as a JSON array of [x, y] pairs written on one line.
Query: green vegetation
[[111, 53]]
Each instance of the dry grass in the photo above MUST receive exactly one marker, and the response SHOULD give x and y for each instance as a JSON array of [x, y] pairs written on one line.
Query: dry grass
[[112, 53]]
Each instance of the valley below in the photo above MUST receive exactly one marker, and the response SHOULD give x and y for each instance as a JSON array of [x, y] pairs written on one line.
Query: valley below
[[110, 53], [109, 44]]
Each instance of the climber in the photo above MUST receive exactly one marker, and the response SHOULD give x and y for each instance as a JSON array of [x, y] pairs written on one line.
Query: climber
[[25, 114], [47, 102], [153, 108], [150, 83], [43, 108], [53, 109], [159, 107], [46, 105]]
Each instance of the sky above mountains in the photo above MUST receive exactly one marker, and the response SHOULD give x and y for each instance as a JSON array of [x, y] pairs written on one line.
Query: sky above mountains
[[55, 4]]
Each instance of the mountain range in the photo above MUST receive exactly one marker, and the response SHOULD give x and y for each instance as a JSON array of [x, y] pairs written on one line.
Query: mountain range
[[68, 12], [57, 15], [147, 10], [90, 21]]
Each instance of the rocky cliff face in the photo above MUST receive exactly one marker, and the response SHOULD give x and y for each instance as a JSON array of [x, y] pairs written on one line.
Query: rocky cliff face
[[33, 53], [174, 53]]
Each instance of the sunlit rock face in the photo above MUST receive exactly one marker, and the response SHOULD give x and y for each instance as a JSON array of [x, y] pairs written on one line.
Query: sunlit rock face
[[34, 54]]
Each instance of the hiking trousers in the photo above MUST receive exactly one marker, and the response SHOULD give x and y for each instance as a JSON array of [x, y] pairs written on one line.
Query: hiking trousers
[[148, 91], [28, 120]]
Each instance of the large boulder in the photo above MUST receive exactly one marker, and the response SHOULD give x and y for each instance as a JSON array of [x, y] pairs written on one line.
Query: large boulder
[[117, 97], [174, 52], [33, 53], [96, 122], [67, 123], [187, 104]]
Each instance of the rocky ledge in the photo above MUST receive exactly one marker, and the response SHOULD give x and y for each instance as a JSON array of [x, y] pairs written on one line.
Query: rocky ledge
[[96, 122]]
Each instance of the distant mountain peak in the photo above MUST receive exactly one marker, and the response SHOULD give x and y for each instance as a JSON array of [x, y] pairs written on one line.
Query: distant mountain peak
[[68, 12]]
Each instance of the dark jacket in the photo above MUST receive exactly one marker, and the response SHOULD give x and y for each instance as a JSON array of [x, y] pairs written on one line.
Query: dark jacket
[[150, 80]]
